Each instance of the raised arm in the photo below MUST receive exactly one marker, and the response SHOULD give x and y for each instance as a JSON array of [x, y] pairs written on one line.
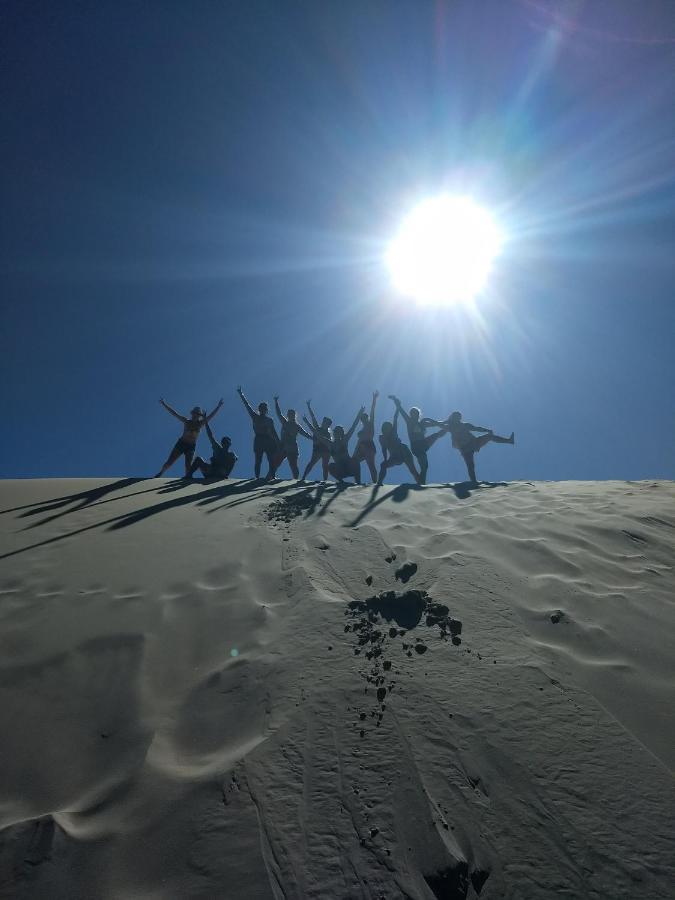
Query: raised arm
[[311, 412], [304, 433], [212, 414], [252, 413], [376, 394], [355, 423], [173, 412], [280, 415], [394, 424], [214, 442], [399, 408]]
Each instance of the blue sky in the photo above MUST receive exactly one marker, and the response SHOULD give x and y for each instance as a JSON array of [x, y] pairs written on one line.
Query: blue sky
[[199, 195]]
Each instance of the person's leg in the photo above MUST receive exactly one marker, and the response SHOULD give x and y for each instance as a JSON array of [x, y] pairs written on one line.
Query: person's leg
[[325, 460], [408, 460], [467, 456], [383, 471], [188, 461], [279, 458], [198, 464], [293, 463], [370, 462], [502, 440], [355, 470], [421, 457], [312, 462], [171, 459], [334, 471], [258, 461], [272, 454]]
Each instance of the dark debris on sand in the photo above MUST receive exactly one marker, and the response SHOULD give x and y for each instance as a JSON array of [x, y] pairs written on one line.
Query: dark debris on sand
[[401, 612]]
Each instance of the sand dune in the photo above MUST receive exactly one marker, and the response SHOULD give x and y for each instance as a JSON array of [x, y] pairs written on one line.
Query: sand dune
[[283, 691]]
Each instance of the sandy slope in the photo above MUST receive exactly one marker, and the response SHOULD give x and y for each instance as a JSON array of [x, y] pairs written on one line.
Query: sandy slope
[[190, 707]]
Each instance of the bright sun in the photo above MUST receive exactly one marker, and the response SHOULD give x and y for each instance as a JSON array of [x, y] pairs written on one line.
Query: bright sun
[[443, 251]]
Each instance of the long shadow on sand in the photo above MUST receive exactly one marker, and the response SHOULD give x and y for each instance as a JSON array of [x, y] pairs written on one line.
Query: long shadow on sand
[[79, 500], [399, 494], [123, 520]]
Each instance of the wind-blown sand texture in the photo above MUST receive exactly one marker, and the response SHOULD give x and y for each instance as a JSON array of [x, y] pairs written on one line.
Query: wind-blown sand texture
[[209, 690]]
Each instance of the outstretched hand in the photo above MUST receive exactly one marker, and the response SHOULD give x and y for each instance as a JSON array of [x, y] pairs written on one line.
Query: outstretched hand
[[276, 397], [239, 391], [393, 397], [376, 394]]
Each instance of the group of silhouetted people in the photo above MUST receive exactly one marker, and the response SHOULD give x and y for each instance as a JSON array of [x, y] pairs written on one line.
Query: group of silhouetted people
[[330, 445]]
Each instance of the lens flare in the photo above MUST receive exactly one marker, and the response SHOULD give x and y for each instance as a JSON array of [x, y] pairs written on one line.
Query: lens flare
[[444, 251]]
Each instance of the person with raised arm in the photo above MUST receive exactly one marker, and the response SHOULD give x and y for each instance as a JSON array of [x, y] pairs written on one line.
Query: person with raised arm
[[344, 465], [266, 439], [222, 459], [365, 443], [290, 429], [187, 442], [420, 443], [320, 450], [394, 451], [468, 444]]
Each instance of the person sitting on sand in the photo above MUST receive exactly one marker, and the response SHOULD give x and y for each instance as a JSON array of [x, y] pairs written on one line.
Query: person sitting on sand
[[266, 440], [222, 460], [344, 465], [395, 452], [320, 450], [468, 443], [365, 444], [290, 429], [419, 442], [186, 444]]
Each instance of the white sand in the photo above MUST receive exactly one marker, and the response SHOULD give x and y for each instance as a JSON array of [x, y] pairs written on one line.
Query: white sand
[[141, 758]]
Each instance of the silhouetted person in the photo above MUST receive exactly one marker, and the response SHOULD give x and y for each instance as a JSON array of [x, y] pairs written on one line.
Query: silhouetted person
[[185, 445], [222, 459], [266, 440], [365, 444], [344, 465], [468, 443], [290, 429], [320, 449], [395, 452], [419, 442]]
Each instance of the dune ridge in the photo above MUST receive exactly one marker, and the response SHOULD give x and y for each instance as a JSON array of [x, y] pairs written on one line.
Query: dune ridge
[[279, 690]]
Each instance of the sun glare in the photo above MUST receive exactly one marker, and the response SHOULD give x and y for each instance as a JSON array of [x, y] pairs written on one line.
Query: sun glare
[[443, 251]]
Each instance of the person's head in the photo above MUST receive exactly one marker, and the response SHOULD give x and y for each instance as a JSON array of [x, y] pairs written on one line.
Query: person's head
[[454, 418], [262, 408], [290, 415], [339, 433], [326, 422], [414, 413], [197, 412], [225, 443], [387, 428]]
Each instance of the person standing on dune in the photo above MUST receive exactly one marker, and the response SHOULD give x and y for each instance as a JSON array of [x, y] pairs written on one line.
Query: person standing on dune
[[290, 429], [468, 444], [365, 444], [266, 439], [344, 465], [395, 452], [419, 442], [186, 444], [320, 449]]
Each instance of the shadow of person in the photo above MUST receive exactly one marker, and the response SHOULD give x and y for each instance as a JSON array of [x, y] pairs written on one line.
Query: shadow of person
[[464, 489], [74, 502], [397, 495]]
